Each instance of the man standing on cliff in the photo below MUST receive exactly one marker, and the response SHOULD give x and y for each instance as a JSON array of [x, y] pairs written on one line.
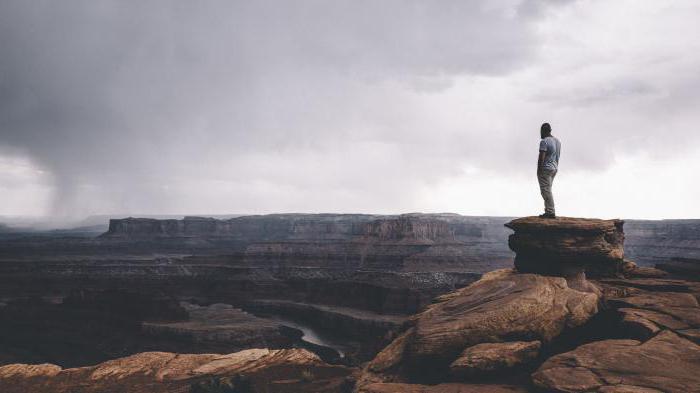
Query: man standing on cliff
[[547, 166]]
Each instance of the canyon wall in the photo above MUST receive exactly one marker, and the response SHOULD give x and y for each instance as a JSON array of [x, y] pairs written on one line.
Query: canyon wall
[[647, 241], [409, 242], [651, 242]]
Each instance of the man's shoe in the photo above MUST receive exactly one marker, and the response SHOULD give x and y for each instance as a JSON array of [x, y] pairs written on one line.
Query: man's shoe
[[548, 215]]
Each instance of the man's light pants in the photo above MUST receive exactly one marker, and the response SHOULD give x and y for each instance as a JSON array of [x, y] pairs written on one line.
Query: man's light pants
[[546, 178]]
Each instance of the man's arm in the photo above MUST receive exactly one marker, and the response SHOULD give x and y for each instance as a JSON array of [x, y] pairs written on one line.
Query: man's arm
[[543, 154], [540, 159]]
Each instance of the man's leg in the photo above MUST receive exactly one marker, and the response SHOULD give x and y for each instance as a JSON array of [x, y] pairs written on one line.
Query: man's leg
[[546, 178], [551, 208]]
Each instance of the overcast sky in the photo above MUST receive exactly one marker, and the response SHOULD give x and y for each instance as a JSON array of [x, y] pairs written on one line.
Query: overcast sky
[[214, 107]]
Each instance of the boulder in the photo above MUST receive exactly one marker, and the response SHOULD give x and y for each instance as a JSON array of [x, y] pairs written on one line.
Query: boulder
[[503, 306], [567, 246], [494, 357], [666, 363], [286, 370]]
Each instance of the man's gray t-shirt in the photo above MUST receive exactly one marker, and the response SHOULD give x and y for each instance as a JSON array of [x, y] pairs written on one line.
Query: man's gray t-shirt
[[552, 148]]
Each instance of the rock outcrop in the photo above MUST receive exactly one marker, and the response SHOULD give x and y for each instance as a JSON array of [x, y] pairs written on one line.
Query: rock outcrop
[[491, 357], [502, 307], [630, 329], [650, 341], [254, 370], [564, 245], [647, 305]]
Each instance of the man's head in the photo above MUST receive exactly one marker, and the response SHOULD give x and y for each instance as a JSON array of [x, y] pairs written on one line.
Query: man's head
[[545, 130]]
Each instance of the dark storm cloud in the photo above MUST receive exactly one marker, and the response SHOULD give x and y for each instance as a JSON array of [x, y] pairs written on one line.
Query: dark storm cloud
[[125, 96]]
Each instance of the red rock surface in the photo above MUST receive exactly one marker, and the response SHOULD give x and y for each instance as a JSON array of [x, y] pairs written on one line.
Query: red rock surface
[[487, 358], [666, 362], [643, 341], [290, 371], [503, 306], [660, 316]]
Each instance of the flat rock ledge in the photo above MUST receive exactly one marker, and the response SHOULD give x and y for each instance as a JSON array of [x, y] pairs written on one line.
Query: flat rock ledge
[[568, 247]]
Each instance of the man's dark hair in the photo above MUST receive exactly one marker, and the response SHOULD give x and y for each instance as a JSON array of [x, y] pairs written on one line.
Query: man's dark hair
[[546, 129]]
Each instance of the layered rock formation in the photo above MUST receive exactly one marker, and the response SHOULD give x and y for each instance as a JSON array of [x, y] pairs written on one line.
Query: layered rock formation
[[616, 333], [255, 370], [502, 307], [408, 242], [562, 245], [649, 343], [487, 358], [430, 227], [664, 363]]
